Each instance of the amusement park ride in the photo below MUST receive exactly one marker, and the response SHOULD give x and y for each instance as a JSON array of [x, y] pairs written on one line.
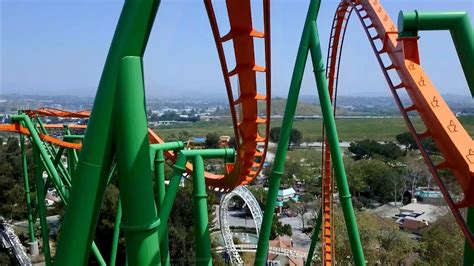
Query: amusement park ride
[[117, 138]]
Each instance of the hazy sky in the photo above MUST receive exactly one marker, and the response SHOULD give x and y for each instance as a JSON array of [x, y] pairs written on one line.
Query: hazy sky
[[60, 46]]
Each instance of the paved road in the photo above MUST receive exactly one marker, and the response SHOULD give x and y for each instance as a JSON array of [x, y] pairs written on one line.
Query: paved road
[[299, 238]]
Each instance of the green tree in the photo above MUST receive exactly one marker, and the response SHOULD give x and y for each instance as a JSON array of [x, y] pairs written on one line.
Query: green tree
[[373, 178], [212, 140], [306, 201], [295, 138], [180, 136], [383, 243], [12, 197], [428, 143], [406, 139], [105, 226], [279, 229], [442, 243], [260, 195], [367, 149], [275, 134]]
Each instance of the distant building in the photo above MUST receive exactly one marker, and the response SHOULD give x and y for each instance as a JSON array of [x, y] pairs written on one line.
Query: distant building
[[415, 216], [431, 195], [166, 123], [421, 211], [285, 195], [197, 143], [224, 141], [274, 259]]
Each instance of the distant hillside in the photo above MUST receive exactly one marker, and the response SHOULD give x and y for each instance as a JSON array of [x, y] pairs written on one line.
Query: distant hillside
[[378, 106], [303, 108]]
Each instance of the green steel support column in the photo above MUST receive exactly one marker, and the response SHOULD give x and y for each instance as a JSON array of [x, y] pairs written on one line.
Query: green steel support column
[[202, 239], [31, 228], [115, 240], [314, 238], [71, 158], [46, 160], [92, 170], [112, 172], [48, 165], [58, 164], [74, 158], [161, 190], [468, 251], [159, 170], [173, 186], [40, 123], [98, 256], [63, 172], [167, 146], [287, 125], [140, 219], [336, 155], [52, 151], [458, 24], [71, 138], [160, 196], [70, 162], [178, 171], [227, 154], [40, 194], [57, 158]]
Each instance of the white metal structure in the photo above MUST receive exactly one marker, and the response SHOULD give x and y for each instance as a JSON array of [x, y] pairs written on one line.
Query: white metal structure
[[10, 242], [273, 250], [257, 216]]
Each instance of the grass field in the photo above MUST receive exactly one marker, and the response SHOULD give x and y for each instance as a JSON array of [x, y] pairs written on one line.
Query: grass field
[[349, 129]]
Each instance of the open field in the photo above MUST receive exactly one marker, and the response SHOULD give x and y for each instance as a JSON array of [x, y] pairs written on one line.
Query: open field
[[349, 128]]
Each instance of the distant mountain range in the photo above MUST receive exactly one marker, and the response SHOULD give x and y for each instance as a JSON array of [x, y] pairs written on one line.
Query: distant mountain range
[[308, 104]]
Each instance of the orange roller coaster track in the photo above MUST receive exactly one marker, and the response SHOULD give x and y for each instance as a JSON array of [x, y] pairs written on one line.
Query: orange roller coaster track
[[213, 180], [455, 144], [17, 128], [244, 107]]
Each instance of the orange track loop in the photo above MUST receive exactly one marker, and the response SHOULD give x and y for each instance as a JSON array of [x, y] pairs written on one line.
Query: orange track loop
[[455, 144], [249, 159]]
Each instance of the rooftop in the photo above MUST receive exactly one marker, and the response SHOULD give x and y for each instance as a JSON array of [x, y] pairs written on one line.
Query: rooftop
[[429, 212]]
